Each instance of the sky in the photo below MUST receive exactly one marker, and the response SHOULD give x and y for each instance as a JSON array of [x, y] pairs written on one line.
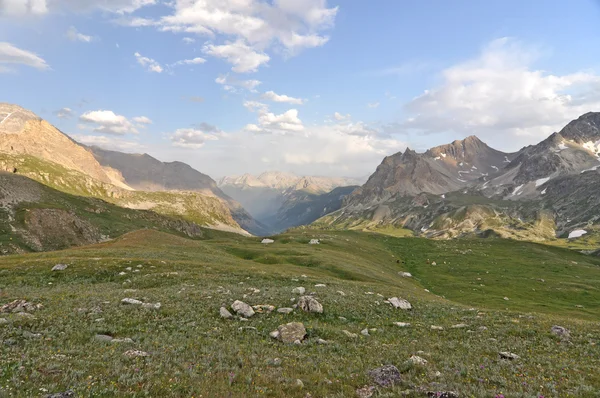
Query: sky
[[314, 87]]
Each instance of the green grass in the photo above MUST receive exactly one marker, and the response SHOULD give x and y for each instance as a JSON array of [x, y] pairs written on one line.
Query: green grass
[[194, 353]]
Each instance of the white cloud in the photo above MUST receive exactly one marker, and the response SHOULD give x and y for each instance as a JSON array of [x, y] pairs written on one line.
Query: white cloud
[[499, 97], [112, 143], [255, 106], [243, 58], [64, 113], [373, 105], [270, 123], [188, 40], [231, 84], [148, 63], [74, 35], [23, 7], [195, 138], [142, 120], [107, 122], [41, 7], [339, 117], [271, 96], [10, 54], [194, 61]]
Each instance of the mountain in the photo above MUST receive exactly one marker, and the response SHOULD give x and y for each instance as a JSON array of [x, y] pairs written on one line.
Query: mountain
[[466, 187], [269, 197], [32, 147]]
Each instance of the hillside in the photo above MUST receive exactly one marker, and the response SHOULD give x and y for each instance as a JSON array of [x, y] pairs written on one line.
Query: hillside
[[34, 217], [471, 301], [542, 192]]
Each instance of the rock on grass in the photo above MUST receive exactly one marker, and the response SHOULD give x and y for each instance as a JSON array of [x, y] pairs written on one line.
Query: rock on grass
[[385, 376], [310, 304], [242, 309], [400, 303], [291, 332]]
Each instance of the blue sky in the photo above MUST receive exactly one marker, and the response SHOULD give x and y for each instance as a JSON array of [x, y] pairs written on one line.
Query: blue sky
[[308, 86]]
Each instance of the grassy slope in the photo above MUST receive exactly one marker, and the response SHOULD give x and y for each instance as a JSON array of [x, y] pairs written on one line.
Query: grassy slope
[[195, 353]]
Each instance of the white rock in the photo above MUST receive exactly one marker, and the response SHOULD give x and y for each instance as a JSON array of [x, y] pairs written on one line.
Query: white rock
[[225, 313], [60, 267], [405, 274], [135, 354], [314, 242], [298, 290], [459, 326], [402, 324], [285, 310], [131, 301], [341, 293], [365, 332], [310, 304], [350, 334], [267, 241], [416, 360], [122, 273], [242, 309], [433, 327], [321, 285], [506, 298], [400, 303], [152, 306], [508, 355]]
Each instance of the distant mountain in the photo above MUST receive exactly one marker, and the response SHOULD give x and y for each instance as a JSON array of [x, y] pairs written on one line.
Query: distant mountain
[[34, 148], [466, 187], [269, 196]]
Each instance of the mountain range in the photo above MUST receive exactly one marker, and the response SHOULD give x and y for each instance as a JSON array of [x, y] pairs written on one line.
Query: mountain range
[[466, 187]]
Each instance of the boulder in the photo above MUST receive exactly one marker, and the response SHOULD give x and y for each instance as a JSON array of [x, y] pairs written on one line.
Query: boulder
[[434, 327], [299, 290], [405, 274], [267, 241], [459, 326], [242, 309], [60, 267], [385, 376], [508, 355], [416, 360], [130, 301], [400, 303], [135, 354], [225, 313], [103, 338], [291, 332], [310, 304], [19, 306], [560, 331]]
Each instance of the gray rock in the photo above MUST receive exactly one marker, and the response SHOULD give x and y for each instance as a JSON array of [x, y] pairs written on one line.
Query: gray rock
[[322, 342], [320, 285], [274, 334], [103, 338], [433, 327], [459, 326], [416, 360], [290, 332], [405, 274], [60, 267], [267, 241], [151, 306], [400, 303], [560, 331], [135, 354], [299, 383], [225, 313], [125, 340], [310, 304], [365, 392], [508, 355], [350, 334], [264, 308], [298, 290], [29, 335], [25, 315], [19, 306], [130, 301], [314, 242], [285, 310], [442, 394], [242, 309], [65, 394], [402, 324], [385, 376], [365, 332]]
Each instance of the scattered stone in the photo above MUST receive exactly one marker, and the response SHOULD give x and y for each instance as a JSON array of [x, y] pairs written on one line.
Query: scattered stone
[[285, 310], [442, 394], [365, 332], [28, 335], [506, 298], [264, 308], [437, 373], [65, 394], [341, 293], [350, 334], [297, 342], [400, 303], [135, 354], [459, 326], [508, 355], [369, 293], [25, 315], [274, 362], [434, 263], [298, 290], [299, 383], [310, 304], [290, 332], [365, 392], [274, 334], [314, 242], [152, 306], [246, 328], [320, 285], [18, 306], [483, 328], [267, 241], [243, 309], [103, 337], [405, 274], [402, 324], [225, 314], [128, 268], [122, 273], [60, 267], [433, 327], [372, 330], [130, 301], [579, 306], [560, 331], [126, 340], [385, 376], [416, 360], [341, 318], [322, 342]]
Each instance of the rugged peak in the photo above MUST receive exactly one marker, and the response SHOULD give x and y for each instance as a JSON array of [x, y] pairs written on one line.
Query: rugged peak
[[584, 129], [13, 118], [409, 154]]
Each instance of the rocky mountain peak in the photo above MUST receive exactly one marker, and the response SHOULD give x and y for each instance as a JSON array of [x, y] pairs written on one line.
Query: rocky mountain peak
[[584, 129], [13, 118]]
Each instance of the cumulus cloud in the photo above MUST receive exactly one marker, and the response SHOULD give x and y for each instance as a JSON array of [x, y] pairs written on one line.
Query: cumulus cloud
[[339, 117], [195, 138], [74, 35], [501, 98], [271, 96], [142, 120], [194, 61], [188, 40], [243, 58], [233, 84], [23, 7], [10, 54], [148, 63], [111, 143], [270, 123], [255, 106], [107, 122], [64, 113], [41, 7]]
